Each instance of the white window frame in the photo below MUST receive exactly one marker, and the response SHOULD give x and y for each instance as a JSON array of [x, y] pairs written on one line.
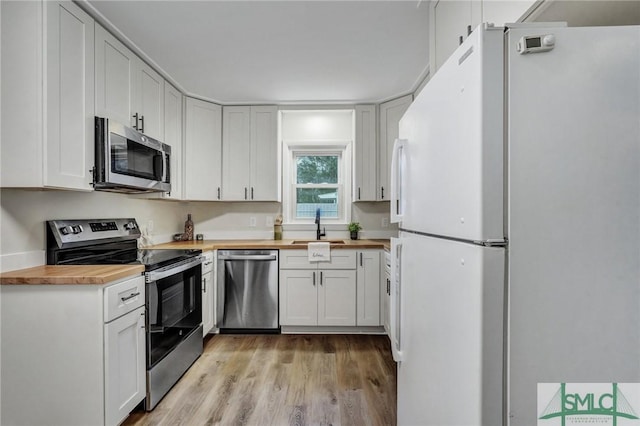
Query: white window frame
[[290, 152]]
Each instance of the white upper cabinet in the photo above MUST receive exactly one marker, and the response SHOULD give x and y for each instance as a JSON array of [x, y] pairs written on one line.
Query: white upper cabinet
[[390, 114], [452, 20], [115, 75], [150, 102], [127, 89], [265, 167], [250, 153], [47, 95], [202, 148], [173, 138], [365, 159], [236, 149]]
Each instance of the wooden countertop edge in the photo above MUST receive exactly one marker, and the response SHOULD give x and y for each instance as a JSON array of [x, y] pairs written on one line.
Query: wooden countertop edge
[[103, 274], [70, 274], [207, 245]]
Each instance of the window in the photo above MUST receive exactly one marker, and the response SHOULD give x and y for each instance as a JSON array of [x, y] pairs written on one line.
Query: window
[[316, 166], [317, 185], [316, 179]]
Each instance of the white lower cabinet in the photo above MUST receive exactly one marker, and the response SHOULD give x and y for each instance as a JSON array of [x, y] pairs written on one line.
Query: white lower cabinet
[[298, 297], [208, 292], [317, 297], [336, 297], [342, 292], [72, 354], [125, 384], [368, 287]]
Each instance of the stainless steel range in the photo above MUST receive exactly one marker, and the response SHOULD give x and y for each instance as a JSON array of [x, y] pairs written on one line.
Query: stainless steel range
[[173, 290]]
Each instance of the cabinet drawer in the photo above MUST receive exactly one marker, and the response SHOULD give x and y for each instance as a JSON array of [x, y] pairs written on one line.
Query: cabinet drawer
[[299, 259], [340, 259], [295, 259], [123, 297]]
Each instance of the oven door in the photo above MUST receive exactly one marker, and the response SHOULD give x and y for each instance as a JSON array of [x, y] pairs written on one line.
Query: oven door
[[174, 307]]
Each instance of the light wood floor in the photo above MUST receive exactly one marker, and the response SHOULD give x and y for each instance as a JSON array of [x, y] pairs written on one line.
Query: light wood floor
[[283, 380]]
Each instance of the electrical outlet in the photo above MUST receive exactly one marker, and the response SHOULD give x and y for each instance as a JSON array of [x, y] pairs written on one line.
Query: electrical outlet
[[269, 221], [385, 222], [150, 226], [252, 221]]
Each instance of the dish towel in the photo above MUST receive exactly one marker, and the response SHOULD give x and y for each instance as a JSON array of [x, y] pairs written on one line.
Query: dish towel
[[319, 252]]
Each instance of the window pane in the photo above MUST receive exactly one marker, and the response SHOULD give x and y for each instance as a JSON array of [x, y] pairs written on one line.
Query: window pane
[[310, 199], [317, 168]]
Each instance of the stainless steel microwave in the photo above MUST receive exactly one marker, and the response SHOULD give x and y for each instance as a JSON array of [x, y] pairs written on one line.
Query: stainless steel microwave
[[128, 161]]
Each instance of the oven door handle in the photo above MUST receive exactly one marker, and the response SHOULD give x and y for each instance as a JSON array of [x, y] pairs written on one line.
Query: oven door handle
[[167, 271], [248, 257]]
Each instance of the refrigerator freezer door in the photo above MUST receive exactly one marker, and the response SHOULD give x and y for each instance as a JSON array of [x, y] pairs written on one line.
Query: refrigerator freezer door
[[452, 333], [453, 177], [574, 211]]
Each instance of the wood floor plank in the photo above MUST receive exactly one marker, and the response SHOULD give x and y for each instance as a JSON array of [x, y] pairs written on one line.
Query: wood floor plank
[[283, 380]]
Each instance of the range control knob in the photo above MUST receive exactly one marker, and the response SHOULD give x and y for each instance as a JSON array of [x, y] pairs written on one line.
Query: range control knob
[[77, 229], [66, 230], [129, 226]]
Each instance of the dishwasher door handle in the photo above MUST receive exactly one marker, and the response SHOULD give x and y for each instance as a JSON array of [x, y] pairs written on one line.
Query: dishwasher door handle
[[247, 257]]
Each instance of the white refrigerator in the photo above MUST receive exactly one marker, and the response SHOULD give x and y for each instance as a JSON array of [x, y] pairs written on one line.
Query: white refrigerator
[[516, 186]]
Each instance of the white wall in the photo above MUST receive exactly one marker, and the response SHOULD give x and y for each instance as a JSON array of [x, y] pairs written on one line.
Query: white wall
[[23, 214]]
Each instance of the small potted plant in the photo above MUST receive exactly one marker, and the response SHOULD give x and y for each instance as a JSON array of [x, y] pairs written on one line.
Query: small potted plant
[[354, 228]]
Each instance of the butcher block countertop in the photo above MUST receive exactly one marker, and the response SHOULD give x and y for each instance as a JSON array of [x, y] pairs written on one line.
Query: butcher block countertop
[[70, 274], [103, 274], [207, 245]]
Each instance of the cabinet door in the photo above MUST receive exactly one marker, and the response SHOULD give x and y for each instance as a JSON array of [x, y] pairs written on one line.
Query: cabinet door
[[207, 302], [337, 297], [298, 297], [125, 383], [149, 101], [390, 114], [236, 151], [365, 163], [264, 171], [70, 102], [203, 145], [173, 138], [21, 94], [115, 74], [368, 288]]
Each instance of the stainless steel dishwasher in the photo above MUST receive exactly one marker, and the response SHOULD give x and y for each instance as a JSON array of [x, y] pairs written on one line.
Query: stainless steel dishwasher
[[247, 297]]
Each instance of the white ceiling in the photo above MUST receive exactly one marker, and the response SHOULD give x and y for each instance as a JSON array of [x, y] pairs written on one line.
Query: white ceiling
[[235, 52]]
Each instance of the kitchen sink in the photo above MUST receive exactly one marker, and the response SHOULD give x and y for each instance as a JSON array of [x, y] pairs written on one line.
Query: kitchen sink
[[317, 241]]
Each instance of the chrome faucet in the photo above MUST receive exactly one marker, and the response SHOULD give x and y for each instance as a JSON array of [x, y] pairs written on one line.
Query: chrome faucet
[[318, 233]]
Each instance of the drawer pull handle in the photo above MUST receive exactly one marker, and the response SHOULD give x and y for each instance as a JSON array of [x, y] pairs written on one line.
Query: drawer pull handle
[[131, 296]]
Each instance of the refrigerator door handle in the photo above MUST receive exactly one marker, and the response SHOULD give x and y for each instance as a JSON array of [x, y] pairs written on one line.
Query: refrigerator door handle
[[396, 323], [397, 163]]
